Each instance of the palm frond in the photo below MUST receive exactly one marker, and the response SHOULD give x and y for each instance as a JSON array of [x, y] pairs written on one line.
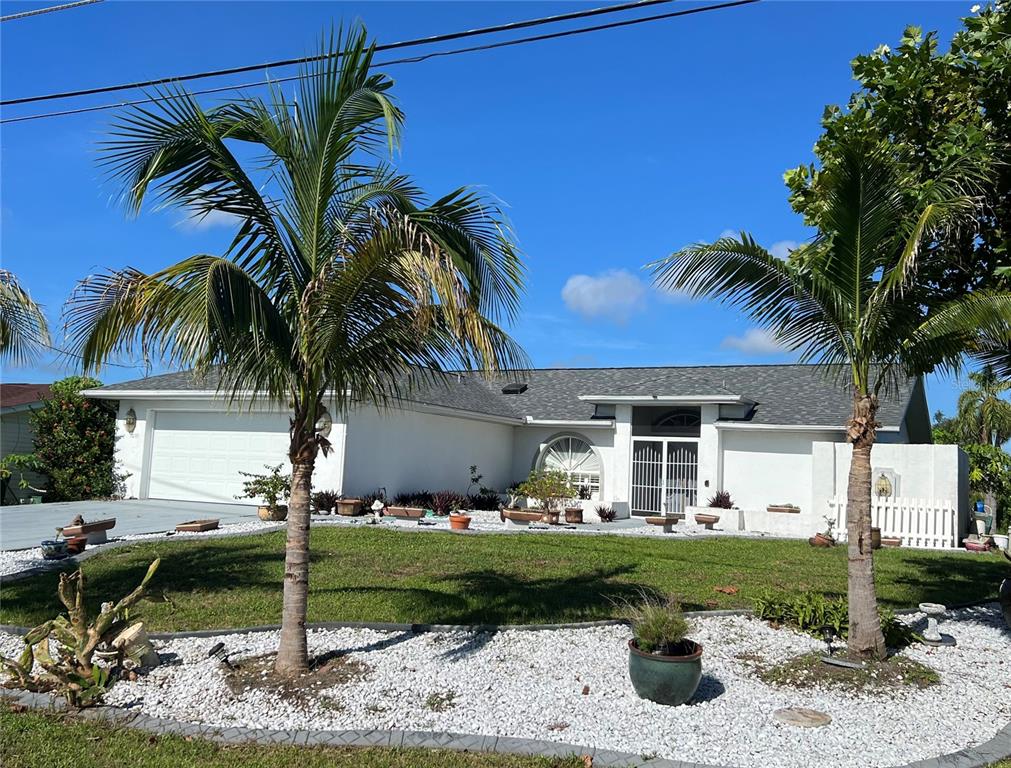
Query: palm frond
[[24, 331]]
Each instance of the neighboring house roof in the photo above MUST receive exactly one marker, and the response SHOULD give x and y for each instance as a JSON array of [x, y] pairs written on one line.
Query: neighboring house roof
[[19, 396], [787, 395]]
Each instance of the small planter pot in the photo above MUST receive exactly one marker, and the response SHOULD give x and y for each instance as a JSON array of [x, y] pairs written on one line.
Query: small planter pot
[[875, 538], [76, 545], [670, 680], [54, 549], [349, 507], [574, 515], [821, 540], [273, 514], [1004, 597], [199, 526], [550, 517], [708, 520], [459, 522]]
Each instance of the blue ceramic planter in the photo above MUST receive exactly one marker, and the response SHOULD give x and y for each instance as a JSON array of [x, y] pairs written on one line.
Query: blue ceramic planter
[[670, 680]]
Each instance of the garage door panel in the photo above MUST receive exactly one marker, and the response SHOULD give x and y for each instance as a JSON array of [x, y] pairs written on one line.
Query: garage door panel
[[198, 456]]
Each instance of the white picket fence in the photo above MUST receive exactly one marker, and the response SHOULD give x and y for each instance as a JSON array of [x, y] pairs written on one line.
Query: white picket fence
[[919, 523]]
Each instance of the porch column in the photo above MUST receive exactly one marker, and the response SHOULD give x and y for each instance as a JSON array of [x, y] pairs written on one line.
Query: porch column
[[618, 481], [710, 477]]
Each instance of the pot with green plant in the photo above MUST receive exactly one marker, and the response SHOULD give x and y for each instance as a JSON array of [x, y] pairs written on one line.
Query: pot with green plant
[[825, 539], [548, 489], [271, 487], [663, 664]]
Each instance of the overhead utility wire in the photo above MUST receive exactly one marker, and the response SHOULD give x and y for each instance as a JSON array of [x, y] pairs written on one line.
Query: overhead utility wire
[[412, 60], [443, 38], [48, 9]]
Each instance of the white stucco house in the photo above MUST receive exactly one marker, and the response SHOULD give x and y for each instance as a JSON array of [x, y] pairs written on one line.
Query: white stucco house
[[645, 440]]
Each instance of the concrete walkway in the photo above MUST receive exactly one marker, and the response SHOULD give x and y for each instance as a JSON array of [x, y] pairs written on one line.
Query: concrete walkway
[[26, 525]]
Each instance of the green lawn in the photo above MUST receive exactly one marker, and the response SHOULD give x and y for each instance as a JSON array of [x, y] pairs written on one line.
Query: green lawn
[[367, 574], [45, 740]]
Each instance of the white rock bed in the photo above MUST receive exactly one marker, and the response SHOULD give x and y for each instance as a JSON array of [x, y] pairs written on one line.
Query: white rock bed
[[529, 684]]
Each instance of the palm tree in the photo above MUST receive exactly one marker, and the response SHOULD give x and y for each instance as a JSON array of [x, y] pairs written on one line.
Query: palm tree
[[847, 301], [341, 285], [984, 416], [23, 328]]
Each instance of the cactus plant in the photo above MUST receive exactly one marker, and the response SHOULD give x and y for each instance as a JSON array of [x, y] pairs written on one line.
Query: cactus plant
[[73, 672]]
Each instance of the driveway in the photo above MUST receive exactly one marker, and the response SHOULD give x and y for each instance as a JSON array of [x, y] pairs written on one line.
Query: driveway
[[26, 525]]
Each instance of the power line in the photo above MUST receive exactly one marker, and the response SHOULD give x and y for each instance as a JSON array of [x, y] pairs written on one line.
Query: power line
[[49, 9], [412, 60], [307, 59], [81, 357]]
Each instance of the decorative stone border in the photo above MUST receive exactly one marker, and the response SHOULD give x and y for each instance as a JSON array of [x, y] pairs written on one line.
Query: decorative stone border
[[997, 748]]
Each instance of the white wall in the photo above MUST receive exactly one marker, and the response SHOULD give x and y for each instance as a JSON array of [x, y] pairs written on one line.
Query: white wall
[[530, 441], [406, 450], [17, 436], [133, 450]]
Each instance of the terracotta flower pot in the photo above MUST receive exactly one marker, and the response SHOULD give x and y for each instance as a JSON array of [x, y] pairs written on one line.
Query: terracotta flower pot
[[670, 680], [875, 538], [405, 512], [273, 514], [349, 507], [821, 540], [459, 522], [550, 516], [574, 514]]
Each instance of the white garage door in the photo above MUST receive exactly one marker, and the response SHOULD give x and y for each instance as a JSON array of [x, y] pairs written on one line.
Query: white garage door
[[197, 456]]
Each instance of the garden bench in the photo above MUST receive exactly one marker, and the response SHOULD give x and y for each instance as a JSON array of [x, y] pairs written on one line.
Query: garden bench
[[667, 521]]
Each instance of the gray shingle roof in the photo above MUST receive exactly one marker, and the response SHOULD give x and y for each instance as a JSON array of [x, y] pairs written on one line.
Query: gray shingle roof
[[785, 394]]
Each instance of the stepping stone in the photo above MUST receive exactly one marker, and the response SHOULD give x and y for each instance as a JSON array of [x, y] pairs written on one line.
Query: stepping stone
[[802, 717]]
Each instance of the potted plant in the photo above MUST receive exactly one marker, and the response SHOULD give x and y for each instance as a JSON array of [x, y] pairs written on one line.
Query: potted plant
[[458, 520], [825, 539], [548, 488], [606, 513], [325, 501], [409, 505], [271, 487], [720, 500], [349, 507], [663, 664]]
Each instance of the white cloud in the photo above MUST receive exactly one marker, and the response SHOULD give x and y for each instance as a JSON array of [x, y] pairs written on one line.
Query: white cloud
[[729, 233], [212, 220], [616, 294], [755, 341], [782, 249]]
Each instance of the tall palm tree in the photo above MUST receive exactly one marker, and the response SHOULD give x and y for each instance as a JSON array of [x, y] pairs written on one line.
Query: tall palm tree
[[984, 416], [342, 284], [24, 331], [847, 301]]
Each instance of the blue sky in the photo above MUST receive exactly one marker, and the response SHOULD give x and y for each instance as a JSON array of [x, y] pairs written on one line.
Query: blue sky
[[610, 149]]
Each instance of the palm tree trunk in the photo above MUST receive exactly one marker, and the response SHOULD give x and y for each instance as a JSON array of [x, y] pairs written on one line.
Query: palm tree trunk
[[293, 651], [865, 638]]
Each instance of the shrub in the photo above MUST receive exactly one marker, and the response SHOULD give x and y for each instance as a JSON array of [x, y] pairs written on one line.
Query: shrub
[[325, 501], [444, 502], [487, 500], [658, 625], [73, 672], [605, 513], [74, 442], [584, 492], [271, 487], [370, 498], [721, 500], [809, 612], [548, 488]]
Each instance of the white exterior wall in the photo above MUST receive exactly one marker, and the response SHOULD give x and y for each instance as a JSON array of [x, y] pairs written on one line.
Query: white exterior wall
[[406, 450], [763, 467], [133, 451], [926, 471], [17, 436]]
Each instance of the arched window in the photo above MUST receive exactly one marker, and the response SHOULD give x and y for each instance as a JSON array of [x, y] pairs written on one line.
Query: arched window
[[576, 459], [686, 422]]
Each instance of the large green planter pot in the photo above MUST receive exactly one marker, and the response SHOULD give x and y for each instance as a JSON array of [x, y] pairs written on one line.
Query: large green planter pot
[[670, 680]]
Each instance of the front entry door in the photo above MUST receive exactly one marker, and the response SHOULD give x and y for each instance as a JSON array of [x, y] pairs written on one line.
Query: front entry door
[[664, 475]]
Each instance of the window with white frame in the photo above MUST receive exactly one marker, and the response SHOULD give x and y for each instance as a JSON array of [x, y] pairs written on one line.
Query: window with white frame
[[576, 459]]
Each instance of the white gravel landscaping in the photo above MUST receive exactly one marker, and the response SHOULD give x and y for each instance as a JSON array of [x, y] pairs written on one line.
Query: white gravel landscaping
[[531, 684]]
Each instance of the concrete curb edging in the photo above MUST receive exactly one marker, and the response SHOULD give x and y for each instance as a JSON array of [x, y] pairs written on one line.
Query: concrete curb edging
[[980, 756]]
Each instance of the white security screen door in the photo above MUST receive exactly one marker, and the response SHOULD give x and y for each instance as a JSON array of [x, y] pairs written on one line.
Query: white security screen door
[[664, 475]]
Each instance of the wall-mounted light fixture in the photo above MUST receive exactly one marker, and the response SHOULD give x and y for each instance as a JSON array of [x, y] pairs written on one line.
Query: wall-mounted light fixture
[[324, 423], [130, 423], [883, 487]]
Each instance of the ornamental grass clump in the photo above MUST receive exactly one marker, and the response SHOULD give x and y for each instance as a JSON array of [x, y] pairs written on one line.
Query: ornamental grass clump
[[659, 626]]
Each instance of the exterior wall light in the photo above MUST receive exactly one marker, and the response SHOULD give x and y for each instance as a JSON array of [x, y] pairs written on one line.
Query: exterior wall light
[[883, 487], [130, 423], [324, 424]]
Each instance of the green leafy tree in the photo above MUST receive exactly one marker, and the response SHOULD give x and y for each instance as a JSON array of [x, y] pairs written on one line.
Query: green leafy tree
[[344, 282], [23, 328], [936, 106], [849, 302], [984, 415], [74, 441]]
